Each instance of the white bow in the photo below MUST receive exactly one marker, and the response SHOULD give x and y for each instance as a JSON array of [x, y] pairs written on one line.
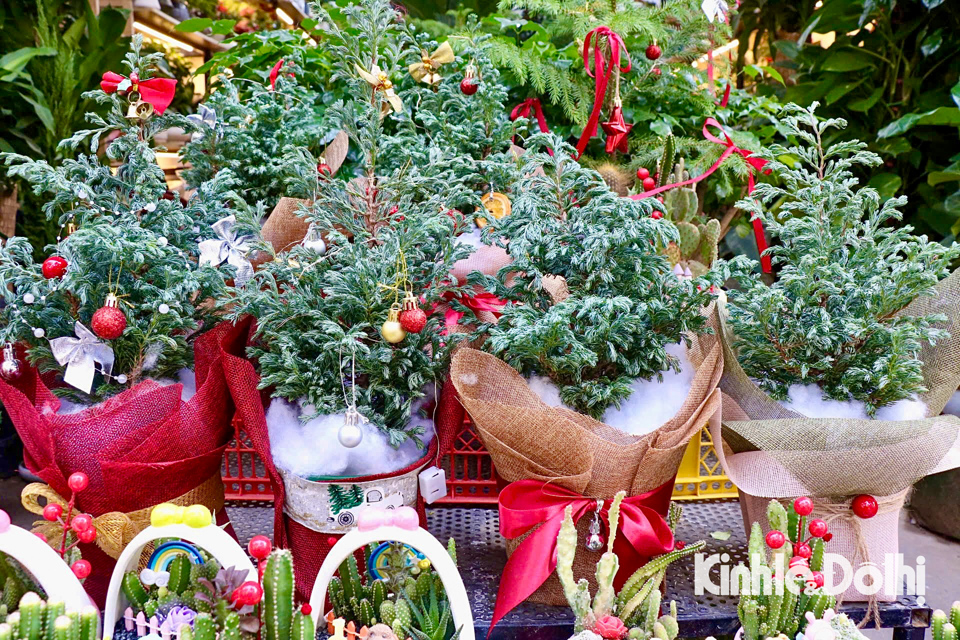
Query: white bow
[[229, 249], [206, 116], [81, 355], [716, 10]]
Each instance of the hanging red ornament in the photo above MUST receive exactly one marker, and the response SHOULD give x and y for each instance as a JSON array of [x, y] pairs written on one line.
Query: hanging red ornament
[[643, 173], [109, 322], [865, 506], [10, 368], [412, 318], [656, 71], [324, 169], [616, 130], [653, 52], [54, 267], [469, 84]]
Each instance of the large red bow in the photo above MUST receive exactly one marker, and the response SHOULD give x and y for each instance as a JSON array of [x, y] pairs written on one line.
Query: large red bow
[[756, 164], [483, 301], [523, 110], [157, 91], [602, 70], [531, 506]]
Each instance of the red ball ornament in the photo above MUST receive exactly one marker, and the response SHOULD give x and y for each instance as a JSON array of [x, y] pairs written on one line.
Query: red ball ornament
[[653, 52], [413, 320], [656, 71], [324, 169], [81, 522], [649, 183], [817, 579], [51, 512], [803, 506], [248, 593], [81, 568], [109, 322], [643, 173], [87, 535], [656, 215], [865, 506], [306, 609], [54, 267], [803, 550], [776, 539], [797, 561], [818, 528], [469, 86], [78, 481], [260, 547]]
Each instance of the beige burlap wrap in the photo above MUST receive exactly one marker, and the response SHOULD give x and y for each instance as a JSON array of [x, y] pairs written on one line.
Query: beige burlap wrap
[[528, 439], [773, 452]]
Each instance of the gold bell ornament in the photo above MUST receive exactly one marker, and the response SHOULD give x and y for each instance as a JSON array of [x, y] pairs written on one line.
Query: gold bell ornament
[[391, 330], [138, 109]]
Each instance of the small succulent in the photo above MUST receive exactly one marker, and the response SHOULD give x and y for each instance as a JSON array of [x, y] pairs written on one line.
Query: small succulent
[[217, 594]]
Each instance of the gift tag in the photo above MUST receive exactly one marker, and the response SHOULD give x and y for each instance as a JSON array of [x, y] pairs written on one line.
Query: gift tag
[[80, 373], [433, 484]]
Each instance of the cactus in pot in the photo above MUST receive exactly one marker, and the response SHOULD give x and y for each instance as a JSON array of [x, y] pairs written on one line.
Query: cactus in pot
[[697, 249], [281, 619]]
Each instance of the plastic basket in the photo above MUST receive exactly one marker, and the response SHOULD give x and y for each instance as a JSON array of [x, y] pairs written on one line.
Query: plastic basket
[[700, 476], [470, 475], [244, 476]]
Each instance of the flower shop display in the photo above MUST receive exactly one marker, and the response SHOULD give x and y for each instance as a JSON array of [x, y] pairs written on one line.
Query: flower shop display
[[595, 318], [105, 361], [837, 373], [409, 588], [634, 612], [183, 571]]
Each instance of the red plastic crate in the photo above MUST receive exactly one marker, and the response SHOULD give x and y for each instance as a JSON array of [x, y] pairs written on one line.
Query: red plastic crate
[[244, 476]]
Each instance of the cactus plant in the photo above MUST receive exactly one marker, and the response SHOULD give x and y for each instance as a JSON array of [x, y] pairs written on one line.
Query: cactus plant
[[944, 627], [38, 620], [618, 179], [697, 249]]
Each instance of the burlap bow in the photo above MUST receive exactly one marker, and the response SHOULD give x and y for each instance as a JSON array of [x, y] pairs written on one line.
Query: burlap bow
[[80, 355], [381, 82], [229, 248], [427, 69], [115, 529]]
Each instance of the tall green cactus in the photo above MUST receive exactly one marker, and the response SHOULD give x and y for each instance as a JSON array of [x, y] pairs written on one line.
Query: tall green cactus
[[278, 585], [179, 574], [36, 620], [133, 590], [944, 627]]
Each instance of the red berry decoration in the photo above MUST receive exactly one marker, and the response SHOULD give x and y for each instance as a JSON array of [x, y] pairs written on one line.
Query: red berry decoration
[[134, 78], [803, 550], [818, 528], [817, 579], [803, 506], [679, 545], [81, 568], [78, 481], [653, 52], [776, 539], [643, 173], [54, 267], [87, 535], [324, 169], [656, 71], [469, 86], [827, 537], [331, 541], [649, 183], [81, 522], [413, 320], [248, 593], [259, 547], [865, 506], [51, 512], [306, 609], [797, 561], [109, 322], [656, 215]]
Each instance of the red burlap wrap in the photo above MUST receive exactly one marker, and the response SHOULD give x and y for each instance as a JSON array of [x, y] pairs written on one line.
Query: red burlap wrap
[[309, 547], [528, 439], [139, 448]]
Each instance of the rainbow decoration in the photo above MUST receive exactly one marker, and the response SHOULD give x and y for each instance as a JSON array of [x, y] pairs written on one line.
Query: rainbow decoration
[[378, 560], [165, 553]]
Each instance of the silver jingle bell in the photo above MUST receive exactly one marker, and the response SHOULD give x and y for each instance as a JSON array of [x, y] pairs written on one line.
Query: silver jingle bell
[[10, 369], [350, 435], [595, 541]]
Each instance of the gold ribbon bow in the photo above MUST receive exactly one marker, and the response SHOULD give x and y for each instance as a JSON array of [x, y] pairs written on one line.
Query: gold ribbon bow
[[381, 82], [427, 69], [115, 529]]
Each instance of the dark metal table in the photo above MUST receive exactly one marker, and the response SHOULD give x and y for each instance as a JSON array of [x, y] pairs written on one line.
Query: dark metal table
[[481, 555]]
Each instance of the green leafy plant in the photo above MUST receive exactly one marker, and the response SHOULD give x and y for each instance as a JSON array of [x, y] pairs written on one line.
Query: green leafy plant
[[831, 318]]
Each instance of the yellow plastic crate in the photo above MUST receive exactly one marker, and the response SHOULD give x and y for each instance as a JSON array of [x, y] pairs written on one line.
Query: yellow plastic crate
[[700, 476]]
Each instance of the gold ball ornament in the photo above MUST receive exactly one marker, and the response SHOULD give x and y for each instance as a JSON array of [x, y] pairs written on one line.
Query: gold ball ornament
[[392, 331]]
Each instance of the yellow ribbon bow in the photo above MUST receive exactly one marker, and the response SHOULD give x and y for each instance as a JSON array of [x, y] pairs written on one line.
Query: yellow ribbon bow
[[381, 82], [427, 69]]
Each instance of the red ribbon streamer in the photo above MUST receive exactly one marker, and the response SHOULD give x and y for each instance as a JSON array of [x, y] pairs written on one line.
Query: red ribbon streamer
[[483, 301], [523, 110], [602, 70], [534, 507], [756, 164], [275, 73], [157, 91]]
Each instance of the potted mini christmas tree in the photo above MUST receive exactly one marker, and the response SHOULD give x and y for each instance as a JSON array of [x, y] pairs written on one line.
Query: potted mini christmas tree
[[113, 315]]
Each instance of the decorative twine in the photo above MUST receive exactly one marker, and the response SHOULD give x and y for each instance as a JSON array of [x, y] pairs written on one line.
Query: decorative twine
[[841, 511], [116, 529]]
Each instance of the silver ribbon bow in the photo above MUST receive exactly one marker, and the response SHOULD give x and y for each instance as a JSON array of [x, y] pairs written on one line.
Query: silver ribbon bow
[[205, 117], [81, 355], [715, 10], [229, 248]]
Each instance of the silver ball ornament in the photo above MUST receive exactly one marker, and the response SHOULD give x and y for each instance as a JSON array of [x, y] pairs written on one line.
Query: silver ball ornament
[[10, 369], [350, 435], [316, 244]]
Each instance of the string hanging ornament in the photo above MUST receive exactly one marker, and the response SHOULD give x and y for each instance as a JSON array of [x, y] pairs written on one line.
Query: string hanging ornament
[[350, 434]]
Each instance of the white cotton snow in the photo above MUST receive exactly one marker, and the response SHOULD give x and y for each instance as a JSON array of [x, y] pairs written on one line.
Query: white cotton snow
[[648, 407], [312, 449], [471, 239], [808, 399], [186, 377]]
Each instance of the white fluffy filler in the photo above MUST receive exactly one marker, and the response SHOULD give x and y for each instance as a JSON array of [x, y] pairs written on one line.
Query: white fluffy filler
[[186, 377], [648, 407], [312, 449], [808, 399]]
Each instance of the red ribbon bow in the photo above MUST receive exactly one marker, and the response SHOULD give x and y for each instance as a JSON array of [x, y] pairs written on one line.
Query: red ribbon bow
[[157, 91], [756, 164], [602, 70], [523, 110], [483, 301], [531, 506]]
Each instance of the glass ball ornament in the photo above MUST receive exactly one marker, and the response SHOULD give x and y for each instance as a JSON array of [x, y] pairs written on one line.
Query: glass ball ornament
[[39, 333], [392, 331], [350, 435], [10, 368], [164, 309]]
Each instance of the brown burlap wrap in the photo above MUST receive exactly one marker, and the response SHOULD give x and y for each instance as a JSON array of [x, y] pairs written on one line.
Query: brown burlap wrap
[[284, 228], [773, 452], [528, 439]]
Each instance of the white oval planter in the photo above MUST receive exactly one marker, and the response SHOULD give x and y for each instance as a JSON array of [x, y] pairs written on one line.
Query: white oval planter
[[419, 539], [210, 538], [46, 566]]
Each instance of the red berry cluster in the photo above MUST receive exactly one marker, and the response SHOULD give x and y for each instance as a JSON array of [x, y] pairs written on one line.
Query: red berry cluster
[[802, 550], [81, 523]]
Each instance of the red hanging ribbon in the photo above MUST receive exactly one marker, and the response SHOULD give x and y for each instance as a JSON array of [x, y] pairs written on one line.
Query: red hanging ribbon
[[157, 91], [523, 110], [483, 301], [602, 70], [726, 95], [756, 164], [275, 73], [534, 507]]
